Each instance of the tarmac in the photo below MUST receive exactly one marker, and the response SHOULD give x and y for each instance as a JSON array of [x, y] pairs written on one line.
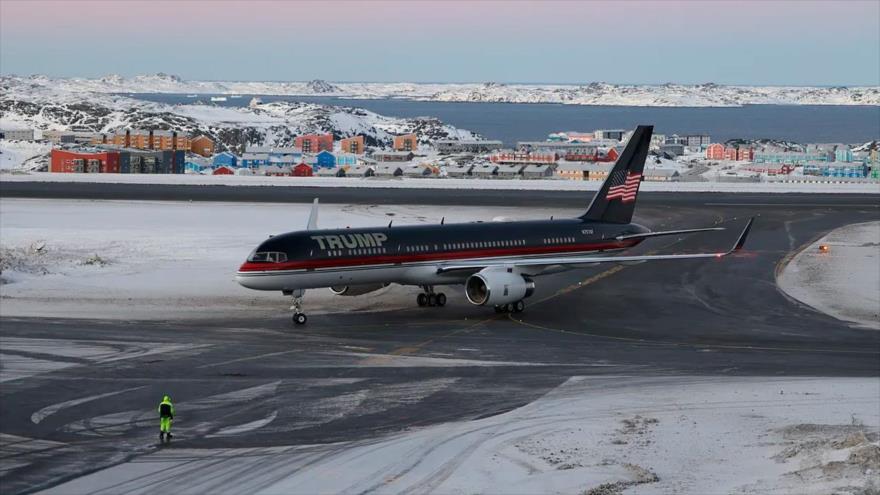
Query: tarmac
[[80, 395]]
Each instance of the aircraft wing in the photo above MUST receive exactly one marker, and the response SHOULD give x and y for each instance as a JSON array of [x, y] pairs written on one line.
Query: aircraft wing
[[588, 260]]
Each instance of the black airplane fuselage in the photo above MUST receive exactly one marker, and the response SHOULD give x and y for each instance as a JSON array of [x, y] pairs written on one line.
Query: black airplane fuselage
[[323, 258]]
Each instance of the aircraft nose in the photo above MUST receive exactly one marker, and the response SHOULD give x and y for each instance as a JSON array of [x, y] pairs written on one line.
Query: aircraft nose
[[244, 278]]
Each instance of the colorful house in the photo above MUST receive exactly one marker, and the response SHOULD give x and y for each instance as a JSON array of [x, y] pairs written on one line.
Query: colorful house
[[314, 143], [202, 145], [254, 160], [92, 162], [346, 159], [407, 142], [325, 159], [223, 171], [302, 170], [225, 159], [353, 145], [843, 153], [836, 169], [197, 165]]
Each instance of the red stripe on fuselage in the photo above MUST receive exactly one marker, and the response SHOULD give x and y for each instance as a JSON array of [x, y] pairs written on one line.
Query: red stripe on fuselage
[[433, 256]]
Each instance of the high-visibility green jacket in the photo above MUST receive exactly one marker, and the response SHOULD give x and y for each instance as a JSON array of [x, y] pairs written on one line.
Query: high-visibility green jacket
[[166, 408]]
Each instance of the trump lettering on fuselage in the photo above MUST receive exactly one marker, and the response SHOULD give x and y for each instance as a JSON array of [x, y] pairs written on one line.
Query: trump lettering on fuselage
[[350, 241]]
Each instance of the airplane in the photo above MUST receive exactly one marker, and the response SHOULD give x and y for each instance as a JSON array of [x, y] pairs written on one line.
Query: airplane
[[496, 262]]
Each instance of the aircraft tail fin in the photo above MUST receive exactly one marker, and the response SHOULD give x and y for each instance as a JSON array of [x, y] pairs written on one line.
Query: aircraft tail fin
[[616, 199]]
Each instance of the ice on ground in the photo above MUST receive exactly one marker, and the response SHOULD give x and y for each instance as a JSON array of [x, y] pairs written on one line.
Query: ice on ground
[[13, 366], [17, 357], [844, 281], [592, 435], [158, 260]]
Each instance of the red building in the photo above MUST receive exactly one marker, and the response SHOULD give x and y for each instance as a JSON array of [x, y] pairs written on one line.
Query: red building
[[745, 154], [98, 162], [223, 171], [314, 143], [771, 168], [302, 170], [611, 156], [407, 142], [717, 151], [598, 156], [354, 145]]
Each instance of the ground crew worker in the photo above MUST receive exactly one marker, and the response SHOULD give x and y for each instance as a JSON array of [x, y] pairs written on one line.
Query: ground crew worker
[[166, 415]]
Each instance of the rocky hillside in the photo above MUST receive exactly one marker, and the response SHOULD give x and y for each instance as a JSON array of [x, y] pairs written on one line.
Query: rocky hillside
[[594, 93], [38, 103]]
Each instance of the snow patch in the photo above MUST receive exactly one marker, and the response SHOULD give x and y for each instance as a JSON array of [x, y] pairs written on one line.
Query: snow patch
[[843, 281]]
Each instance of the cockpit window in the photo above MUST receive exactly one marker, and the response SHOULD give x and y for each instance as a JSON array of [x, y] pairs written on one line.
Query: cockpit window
[[267, 257]]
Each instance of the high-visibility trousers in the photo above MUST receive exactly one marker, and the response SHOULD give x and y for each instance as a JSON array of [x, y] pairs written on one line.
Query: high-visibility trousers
[[165, 425]]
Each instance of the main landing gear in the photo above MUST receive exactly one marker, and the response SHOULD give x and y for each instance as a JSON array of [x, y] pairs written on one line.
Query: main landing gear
[[516, 307], [299, 318], [429, 298]]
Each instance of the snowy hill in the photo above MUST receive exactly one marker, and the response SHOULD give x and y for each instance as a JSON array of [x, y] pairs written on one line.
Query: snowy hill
[[596, 93], [44, 104]]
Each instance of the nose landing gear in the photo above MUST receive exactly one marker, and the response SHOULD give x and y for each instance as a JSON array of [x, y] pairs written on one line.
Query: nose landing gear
[[299, 318], [429, 298]]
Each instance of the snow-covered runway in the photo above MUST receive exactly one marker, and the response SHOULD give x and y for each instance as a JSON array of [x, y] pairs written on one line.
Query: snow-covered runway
[[592, 435], [160, 260]]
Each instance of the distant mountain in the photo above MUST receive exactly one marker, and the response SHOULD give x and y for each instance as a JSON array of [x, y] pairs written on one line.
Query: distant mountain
[[595, 93], [319, 86], [62, 105]]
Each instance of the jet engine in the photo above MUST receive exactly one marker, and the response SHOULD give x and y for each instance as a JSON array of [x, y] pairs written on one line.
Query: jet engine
[[497, 286], [355, 290]]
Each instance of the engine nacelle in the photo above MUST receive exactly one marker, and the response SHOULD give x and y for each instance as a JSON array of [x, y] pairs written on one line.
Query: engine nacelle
[[356, 290], [496, 286]]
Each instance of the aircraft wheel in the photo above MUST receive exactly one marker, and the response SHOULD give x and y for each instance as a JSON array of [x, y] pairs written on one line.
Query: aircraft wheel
[[518, 306], [422, 300], [499, 309], [432, 299], [299, 318], [441, 299]]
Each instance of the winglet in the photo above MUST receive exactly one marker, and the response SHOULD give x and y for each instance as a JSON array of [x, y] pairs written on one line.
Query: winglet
[[742, 237], [313, 217]]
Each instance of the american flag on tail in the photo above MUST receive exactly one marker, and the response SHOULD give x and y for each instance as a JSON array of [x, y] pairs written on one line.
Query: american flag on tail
[[624, 186]]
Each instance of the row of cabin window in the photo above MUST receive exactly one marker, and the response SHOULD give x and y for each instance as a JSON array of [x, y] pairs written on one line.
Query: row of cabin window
[[559, 240], [485, 244], [354, 252]]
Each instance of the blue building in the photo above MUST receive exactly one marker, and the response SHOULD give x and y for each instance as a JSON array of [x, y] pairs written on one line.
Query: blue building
[[346, 159], [790, 157], [259, 156], [325, 159], [225, 159], [843, 154], [836, 169], [254, 160]]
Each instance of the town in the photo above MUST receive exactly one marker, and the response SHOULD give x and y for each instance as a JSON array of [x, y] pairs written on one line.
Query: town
[[577, 156]]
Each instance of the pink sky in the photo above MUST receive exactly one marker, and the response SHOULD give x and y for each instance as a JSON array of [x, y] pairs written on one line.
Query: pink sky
[[781, 37]]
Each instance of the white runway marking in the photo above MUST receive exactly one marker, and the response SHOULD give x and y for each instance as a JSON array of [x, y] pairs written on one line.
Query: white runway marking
[[47, 411], [242, 428]]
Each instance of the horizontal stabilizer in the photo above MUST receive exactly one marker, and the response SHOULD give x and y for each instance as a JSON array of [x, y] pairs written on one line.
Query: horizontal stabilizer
[[666, 232]]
